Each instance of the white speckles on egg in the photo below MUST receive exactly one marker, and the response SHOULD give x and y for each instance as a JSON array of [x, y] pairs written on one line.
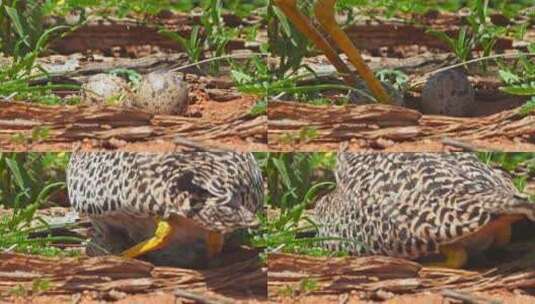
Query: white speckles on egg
[[105, 89], [162, 93], [448, 93]]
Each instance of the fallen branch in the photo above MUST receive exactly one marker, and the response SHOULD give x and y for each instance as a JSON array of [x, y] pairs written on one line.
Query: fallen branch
[[467, 298], [368, 123], [104, 34], [198, 146], [465, 146], [70, 124], [367, 275], [373, 36], [199, 298], [241, 278]]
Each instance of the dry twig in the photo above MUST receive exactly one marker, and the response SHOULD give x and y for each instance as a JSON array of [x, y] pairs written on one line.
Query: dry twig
[[467, 298], [199, 297]]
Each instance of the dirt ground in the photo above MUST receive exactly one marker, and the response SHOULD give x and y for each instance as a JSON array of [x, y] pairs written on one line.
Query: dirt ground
[[494, 123], [394, 129], [501, 143], [166, 298], [98, 128], [159, 297], [236, 276], [421, 298], [506, 274], [217, 118], [240, 277]]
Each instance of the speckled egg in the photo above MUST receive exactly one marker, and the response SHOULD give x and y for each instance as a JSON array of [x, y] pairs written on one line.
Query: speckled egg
[[105, 89], [162, 93], [448, 93]]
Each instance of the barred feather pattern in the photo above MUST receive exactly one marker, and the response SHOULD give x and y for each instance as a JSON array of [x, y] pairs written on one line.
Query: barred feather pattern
[[219, 191], [408, 204]]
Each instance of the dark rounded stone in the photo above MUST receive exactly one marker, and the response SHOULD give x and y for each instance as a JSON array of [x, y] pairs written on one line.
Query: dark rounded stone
[[448, 93]]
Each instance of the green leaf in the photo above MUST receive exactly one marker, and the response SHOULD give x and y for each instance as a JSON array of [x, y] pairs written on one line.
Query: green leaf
[[519, 90], [508, 77], [283, 21], [240, 77], [260, 108], [281, 168], [527, 108], [15, 170], [14, 16]]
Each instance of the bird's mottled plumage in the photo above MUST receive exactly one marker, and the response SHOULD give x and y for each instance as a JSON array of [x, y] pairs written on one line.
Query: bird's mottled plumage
[[122, 193], [409, 204]]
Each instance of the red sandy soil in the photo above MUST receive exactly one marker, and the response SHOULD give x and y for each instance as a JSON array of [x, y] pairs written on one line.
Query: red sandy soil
[[167, 298], [497, 143], [204, 111], [158, 297], [421, 298]]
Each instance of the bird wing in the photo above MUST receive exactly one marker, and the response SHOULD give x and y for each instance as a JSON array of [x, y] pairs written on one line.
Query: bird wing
[[408, 203], [220, 191]]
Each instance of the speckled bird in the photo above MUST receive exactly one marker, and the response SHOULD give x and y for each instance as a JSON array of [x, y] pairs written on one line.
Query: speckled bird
[[173, 209], [416, 205]]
